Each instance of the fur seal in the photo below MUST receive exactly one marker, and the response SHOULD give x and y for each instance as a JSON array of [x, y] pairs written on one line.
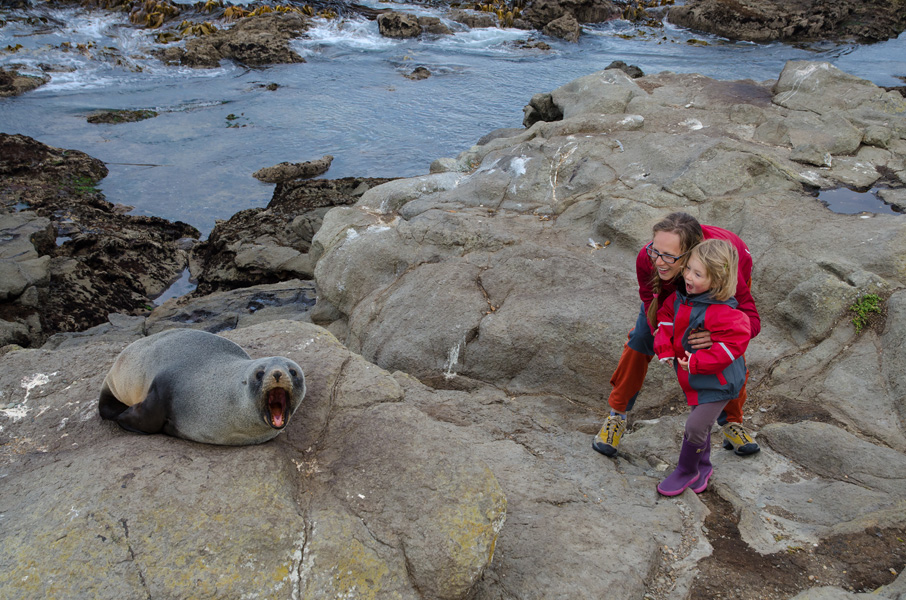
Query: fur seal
[[199, 386]]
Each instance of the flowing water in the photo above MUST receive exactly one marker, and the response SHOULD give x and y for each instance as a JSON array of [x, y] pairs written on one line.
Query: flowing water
[[350, 99]]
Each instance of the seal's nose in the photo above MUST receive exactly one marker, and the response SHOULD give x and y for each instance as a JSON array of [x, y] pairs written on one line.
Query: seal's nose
[[277, 376]]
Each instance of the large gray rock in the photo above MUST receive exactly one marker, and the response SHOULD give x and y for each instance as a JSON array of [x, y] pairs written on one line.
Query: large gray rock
[[514, 250], [356, 498], [512, 265]]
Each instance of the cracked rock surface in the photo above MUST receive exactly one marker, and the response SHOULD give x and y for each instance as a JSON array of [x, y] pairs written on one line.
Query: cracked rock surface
[[466, 327]]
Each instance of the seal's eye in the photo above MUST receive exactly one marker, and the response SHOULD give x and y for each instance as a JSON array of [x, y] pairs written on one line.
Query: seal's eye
[[292, 372], [259, 375]]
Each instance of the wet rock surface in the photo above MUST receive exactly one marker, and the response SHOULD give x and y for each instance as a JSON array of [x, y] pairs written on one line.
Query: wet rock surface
[[257, 41], [798, 21], [286, 171], [72, 257], [115, 117], [14, 84]]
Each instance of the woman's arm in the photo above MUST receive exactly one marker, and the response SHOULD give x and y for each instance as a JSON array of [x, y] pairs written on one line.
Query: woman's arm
[[730, 333]]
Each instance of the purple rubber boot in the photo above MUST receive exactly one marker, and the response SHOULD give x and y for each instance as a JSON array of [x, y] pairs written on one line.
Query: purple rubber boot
[[704, 469], [686, 471]]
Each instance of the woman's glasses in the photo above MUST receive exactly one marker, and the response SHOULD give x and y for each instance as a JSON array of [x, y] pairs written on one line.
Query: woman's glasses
[[667, 258]]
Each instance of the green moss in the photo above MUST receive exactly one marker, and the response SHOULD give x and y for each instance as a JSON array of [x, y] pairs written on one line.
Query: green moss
[[863, 309], [83, 185]]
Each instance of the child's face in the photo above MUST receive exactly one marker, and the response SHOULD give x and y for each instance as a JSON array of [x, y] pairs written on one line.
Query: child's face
[[696, 276]]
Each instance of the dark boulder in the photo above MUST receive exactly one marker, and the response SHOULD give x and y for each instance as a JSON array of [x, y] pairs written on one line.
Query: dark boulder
[[13, 84], [80, 257], [399, 25], [795, 20], [542, 12], [267, 245], [253, 41]]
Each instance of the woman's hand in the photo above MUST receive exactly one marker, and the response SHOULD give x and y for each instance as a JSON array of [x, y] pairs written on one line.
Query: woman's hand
[[684, 364], [700, 339]]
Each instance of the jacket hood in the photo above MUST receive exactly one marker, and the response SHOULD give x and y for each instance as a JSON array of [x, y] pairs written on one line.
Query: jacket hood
[[705, 298]]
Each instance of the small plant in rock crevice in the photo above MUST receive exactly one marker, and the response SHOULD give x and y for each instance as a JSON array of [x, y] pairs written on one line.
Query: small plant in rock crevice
[[863, 307]]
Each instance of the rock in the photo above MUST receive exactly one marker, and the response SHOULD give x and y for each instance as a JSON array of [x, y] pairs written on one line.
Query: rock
[[264, 246], [13, 333], [499, 243], [773, 20], [497, 134], [224, 311], [433, 25], [607, 92], [286, 171], [541, 12], [106, 261], [399, 25], [541, 108], [565, 27], [121, 116], [12, 83], [896, 198], [631, 70], [255, 41], [474, 19], [418, 74], [826, 451], [17, 275], [811, 154], [310, 514], [532, 45]]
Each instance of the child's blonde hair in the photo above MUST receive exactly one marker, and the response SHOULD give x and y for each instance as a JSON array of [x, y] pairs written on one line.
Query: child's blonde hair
[[721, 263]]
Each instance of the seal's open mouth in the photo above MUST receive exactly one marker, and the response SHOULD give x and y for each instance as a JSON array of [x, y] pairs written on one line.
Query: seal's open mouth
[[276, 407]]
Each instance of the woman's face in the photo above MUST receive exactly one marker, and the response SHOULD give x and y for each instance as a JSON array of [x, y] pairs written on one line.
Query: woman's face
[[667, 242]]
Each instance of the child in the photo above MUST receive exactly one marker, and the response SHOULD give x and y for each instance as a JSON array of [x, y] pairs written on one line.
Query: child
[[712, 377]]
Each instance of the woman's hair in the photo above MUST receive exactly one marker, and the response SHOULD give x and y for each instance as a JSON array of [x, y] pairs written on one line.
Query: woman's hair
[[690, 234], [721, 263]]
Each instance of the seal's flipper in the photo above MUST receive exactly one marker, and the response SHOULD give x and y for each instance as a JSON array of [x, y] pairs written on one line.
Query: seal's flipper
[[109, 406], [149, 415]]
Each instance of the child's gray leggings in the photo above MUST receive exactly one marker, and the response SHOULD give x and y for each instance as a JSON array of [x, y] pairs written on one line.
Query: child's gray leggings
[[700, 421]]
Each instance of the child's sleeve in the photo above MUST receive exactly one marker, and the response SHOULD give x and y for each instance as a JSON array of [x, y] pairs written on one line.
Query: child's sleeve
[[663, 338], [730, 335]]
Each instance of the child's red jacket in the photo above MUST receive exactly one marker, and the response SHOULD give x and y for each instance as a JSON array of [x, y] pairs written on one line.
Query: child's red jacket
[[719, 372]]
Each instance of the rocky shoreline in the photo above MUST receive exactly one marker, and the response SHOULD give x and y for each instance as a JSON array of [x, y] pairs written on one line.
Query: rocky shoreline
[[257, 34], [457, 331]]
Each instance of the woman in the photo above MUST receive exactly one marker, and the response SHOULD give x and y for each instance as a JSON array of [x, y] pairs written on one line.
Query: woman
[[659, 268]]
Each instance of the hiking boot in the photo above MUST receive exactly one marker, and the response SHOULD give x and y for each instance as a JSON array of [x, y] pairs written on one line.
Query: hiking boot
[[737, 439], [608, 438]]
